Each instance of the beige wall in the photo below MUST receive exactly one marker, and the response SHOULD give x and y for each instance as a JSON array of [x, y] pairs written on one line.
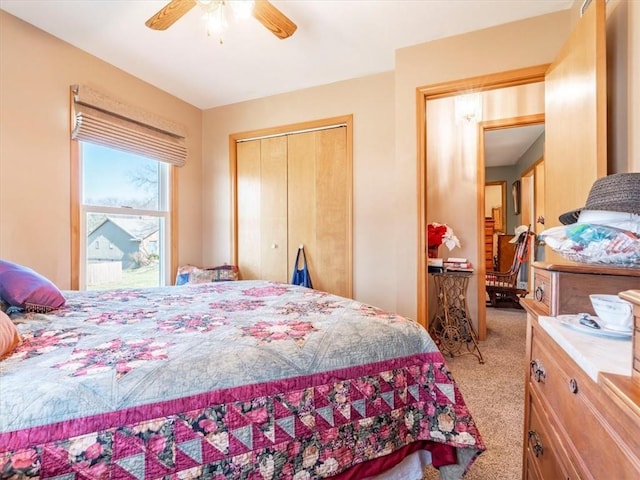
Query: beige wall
[[370, 100], [36, 71], [515, 45], [385, 183]]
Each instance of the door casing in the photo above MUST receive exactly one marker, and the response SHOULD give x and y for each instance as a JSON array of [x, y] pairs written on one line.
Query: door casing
[[482, 83]]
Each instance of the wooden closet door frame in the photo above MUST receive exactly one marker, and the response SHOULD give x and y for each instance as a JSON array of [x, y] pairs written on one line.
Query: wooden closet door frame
[[345, 121]]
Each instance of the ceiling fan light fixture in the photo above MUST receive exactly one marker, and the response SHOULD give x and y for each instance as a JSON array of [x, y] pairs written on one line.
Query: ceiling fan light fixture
[[262, 10], [214, 17], [215, 13], [242, 8], [208, 5]]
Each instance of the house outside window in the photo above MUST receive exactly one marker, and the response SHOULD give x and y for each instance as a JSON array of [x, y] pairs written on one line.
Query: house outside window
[[124, 209]]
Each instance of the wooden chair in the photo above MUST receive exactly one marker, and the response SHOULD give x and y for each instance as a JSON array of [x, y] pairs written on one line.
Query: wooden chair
[[502, 287]]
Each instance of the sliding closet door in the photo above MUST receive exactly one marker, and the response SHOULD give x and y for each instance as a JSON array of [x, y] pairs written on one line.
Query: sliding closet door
[[291, 190], [273, 198], [320, 206], [302, 200], [262, 209], [333, 211], [248, 187]]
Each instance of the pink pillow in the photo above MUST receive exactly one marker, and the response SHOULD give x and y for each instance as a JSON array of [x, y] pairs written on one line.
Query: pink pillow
[[9, 336], [23, 287]]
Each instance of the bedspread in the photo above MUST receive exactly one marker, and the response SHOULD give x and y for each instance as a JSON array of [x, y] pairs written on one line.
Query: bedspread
[[233, 380]]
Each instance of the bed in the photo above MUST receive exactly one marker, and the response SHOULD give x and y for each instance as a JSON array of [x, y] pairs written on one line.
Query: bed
[[228, 380]]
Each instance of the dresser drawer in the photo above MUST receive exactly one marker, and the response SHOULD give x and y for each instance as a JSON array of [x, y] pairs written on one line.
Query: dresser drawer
[[542, 291], [633, 296], [572, 400], [636, 341], [560, 289], [542, 447]]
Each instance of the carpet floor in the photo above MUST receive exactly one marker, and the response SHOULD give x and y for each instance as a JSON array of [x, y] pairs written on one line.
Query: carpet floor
[[494, 393]]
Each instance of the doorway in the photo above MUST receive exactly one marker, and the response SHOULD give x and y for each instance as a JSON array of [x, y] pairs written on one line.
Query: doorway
[[504, 80], [569, 152], [512, 150]]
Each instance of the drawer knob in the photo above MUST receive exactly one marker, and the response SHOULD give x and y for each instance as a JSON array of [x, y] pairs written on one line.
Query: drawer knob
[[538, 294], [573, 385], [538, 371], [535, 444]]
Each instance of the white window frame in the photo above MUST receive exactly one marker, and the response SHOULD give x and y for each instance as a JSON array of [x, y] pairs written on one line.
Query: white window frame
[[163, 212], [97, 117]]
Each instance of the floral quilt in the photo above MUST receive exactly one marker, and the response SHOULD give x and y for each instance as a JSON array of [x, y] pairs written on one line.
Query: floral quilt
[[227, 380]]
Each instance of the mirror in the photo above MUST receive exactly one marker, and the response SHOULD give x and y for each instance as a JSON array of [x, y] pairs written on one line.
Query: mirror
[[495, 203], [510, 152]]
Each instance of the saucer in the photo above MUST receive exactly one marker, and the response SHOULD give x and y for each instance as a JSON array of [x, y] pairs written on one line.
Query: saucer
[[573, 322]]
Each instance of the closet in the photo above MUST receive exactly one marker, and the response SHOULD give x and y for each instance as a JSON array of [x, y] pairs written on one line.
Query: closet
[[295, 189]]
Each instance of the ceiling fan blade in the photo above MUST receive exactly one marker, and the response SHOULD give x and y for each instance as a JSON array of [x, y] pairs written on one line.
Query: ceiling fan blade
[[168, 15], [273, 19]]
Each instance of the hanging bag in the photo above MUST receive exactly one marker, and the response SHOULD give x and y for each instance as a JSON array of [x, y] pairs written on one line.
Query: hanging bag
[[301, 275]]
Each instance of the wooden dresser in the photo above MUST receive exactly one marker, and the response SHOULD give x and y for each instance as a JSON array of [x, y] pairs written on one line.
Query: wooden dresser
[[506, 252], [633, 296], [582, 399], [489, 224], [565, 288]]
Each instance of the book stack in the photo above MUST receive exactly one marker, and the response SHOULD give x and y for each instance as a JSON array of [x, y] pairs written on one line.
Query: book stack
[[435, 265], [454, 264]]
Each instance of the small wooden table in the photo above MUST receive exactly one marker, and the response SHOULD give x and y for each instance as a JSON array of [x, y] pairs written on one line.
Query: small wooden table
[[451, 327]]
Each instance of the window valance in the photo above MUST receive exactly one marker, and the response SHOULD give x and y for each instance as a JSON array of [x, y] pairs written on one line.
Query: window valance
[[100, 119]]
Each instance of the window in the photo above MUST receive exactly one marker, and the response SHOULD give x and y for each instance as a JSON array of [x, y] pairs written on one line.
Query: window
[[124, 202]]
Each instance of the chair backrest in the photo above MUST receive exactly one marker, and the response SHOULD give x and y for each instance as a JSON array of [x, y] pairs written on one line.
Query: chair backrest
[[521, 254]]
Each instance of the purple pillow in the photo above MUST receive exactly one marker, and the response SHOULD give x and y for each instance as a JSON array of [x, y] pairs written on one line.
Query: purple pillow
[[23, 287]]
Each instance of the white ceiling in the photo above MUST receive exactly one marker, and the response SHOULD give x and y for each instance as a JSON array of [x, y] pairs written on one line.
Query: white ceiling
[[505, 146], [335, 40]]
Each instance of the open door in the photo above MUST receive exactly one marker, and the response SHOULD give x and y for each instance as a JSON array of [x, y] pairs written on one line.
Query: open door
[[575, 141], [575, 131], [576, 118]]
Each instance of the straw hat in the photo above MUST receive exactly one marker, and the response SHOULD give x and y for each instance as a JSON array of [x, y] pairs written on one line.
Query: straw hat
[[619, 192], [519, 230]]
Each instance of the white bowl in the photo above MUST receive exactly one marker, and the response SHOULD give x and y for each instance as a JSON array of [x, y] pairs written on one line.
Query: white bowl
[[613, 311]]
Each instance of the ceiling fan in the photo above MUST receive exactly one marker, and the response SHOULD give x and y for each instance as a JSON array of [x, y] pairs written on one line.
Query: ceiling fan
[[268, 15]]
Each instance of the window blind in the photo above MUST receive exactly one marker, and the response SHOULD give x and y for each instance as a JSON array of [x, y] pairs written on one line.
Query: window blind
[[100, 119]]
